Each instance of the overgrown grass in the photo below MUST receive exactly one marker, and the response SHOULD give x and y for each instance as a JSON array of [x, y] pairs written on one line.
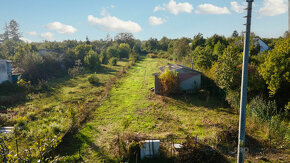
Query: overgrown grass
[[50, 113], [132, 108]]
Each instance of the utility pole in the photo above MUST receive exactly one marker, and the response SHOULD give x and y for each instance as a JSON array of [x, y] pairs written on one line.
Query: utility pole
[[243, 102]]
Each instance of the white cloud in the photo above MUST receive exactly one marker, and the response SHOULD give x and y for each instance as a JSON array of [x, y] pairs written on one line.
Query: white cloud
[[175, 8], [114, 24], [211, 9], [156, 21], [61, 28], [47, 36], [273, 7], [25, 40], [235, 6], [32, 33], [158, 8]]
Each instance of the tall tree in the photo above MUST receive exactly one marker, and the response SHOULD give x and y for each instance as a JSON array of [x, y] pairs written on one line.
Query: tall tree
[[5, 35], [275, 69], [198, 40], [14, 33], [180, 49], [125, 38]]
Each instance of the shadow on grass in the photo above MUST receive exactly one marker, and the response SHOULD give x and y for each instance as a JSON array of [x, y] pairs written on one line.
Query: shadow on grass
[[228, 142], [210, 96], [72, 145]]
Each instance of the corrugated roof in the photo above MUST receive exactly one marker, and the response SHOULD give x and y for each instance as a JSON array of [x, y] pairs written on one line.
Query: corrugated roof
[[178, 68]]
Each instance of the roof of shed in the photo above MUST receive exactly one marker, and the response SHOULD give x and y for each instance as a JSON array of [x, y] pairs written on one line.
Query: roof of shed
[[178, 68]]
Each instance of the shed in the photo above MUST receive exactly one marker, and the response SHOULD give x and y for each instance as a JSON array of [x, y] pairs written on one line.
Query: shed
[[5, 70], [189, 79]]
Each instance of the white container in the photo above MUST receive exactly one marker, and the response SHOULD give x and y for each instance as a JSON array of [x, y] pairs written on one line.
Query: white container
[[150, 149]]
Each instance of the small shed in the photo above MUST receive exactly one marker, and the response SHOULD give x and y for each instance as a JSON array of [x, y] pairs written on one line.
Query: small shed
[[189, 79], [5, 70]]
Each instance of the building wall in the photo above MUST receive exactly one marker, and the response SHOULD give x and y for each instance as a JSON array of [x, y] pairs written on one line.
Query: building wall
[[3, 71], [191, 83]]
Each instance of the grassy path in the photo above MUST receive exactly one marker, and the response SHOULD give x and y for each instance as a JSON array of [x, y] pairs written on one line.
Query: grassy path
[[132, 108]]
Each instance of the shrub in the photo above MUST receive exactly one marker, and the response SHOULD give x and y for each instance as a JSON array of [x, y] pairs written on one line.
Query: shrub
[[267, 113], [93, 79], [113, 61], [163, 54], [92, 60], [77, 69], [168, 82], [24, 84], [233, 98], [151, 55]]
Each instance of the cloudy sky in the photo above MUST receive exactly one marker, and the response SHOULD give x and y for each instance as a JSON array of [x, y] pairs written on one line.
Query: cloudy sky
[[74, 19]]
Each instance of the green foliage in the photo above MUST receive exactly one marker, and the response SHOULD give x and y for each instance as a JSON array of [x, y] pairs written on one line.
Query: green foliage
[[163, 43], [151, 55], [151, 45], [112, 51], [93, 79], [124, 50], [29, 63], [14, 33], [215, 39], [198, 40], [218, 49], [203, 57], [24, 84], [169, 82], [163, 54], [113, 61], [225, 71], [180, 49], [275, 69], [124, 37], [76, 70], [92, 60], [82, 50], [233, 98], [268, 113]]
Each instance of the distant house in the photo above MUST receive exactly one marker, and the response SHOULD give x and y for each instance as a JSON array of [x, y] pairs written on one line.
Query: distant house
[[261, 43], [5, 70], [189, 79]]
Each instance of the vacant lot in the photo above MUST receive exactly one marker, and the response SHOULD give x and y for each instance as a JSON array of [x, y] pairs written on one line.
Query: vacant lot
[[50, 113], [133, 109]]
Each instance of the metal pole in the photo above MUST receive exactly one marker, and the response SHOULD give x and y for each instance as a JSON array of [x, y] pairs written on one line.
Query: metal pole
[[243, 102]]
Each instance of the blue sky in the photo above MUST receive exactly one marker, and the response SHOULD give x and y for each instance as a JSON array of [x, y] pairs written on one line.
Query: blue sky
[[74, 19]]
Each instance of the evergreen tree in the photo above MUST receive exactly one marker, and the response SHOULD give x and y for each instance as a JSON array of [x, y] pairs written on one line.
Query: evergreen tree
[[13, 30]]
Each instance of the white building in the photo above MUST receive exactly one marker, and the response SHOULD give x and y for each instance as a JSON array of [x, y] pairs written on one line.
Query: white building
[[5, 70]]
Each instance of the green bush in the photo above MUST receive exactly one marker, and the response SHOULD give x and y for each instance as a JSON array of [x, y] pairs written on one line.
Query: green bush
[[267, 113], [92, 60], [169, 82], [163, 54], [233, 98], [93, 79], [77, 69], [113, 61]]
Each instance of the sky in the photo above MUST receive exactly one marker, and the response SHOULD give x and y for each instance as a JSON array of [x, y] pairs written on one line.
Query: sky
[[60, 20]]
